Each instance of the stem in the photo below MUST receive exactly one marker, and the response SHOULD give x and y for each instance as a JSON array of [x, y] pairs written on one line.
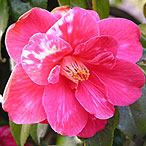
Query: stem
[[94, 5]]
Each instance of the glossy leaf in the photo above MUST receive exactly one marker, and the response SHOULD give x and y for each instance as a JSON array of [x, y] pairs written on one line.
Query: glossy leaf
[[64, 2], [143, 29], [68, 141], [144, 10], [143, 42], [132, 118], [33, 133], [19, 7], [20, 132], [3, 18], [38, 131], [101, 7], [104, 137], [24, 134], [142, 64], [39, 3], [15, 130], [127, 126], [41, 131], [143, 37], [73, 3]]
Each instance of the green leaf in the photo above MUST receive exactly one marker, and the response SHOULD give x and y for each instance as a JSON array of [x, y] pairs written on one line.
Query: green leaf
[[19, 7], [143, 42], [3, 19], [142, 64], [101, 7], [144, 10], [74, 3], [39, 3], [104, 137], [41, 131], [64, 2], [38, 131], [25, 131], [20, 132], [143, 29], [67, 141], [133, 117], [127, 123], [33, 133], [138, 110], [15, 130], [143, 37]]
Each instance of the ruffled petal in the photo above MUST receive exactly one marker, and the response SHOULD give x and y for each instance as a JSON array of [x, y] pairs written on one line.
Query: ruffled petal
[[94, 14], [41, 54], [34, 21], [60, 11], [54, 75], [93, 125], [128, 35], [75, 27], [23, 98], [65, 115], [91, 95], [123, 82], [99, 51]]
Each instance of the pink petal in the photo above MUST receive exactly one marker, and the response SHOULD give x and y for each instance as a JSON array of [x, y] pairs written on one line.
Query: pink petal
[[93, 125], [60, 11], [91, 95], [41, 54], [23, 98], [94, 14], [34, 21], [99, 51], [123, 83], [75, 27], [65, 115], [54, 75], [128, 35]]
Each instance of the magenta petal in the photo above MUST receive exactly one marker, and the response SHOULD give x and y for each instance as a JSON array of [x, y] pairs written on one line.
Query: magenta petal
[[23, 98], [6, 138], [65, 115], [54, 75], [123, 83], [91, 95], [94, 14], [93, 125], [41, 54], [34, 21], [128, 35], [75, 27], [59, 12], [99, 51]]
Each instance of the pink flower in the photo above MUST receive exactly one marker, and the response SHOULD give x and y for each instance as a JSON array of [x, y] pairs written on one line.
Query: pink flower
[[72, 69], [6, 138]]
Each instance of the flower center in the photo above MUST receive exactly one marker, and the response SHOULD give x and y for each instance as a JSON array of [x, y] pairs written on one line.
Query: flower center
[[74, 69]]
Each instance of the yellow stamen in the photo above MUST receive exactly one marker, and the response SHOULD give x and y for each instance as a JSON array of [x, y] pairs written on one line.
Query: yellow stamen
[[74, 70]]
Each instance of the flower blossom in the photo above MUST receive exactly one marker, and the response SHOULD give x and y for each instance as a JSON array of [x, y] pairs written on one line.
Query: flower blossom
[[72, 69]]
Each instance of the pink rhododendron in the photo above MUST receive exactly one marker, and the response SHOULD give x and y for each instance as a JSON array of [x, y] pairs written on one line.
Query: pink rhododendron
[[72, 69], [6, 138]]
